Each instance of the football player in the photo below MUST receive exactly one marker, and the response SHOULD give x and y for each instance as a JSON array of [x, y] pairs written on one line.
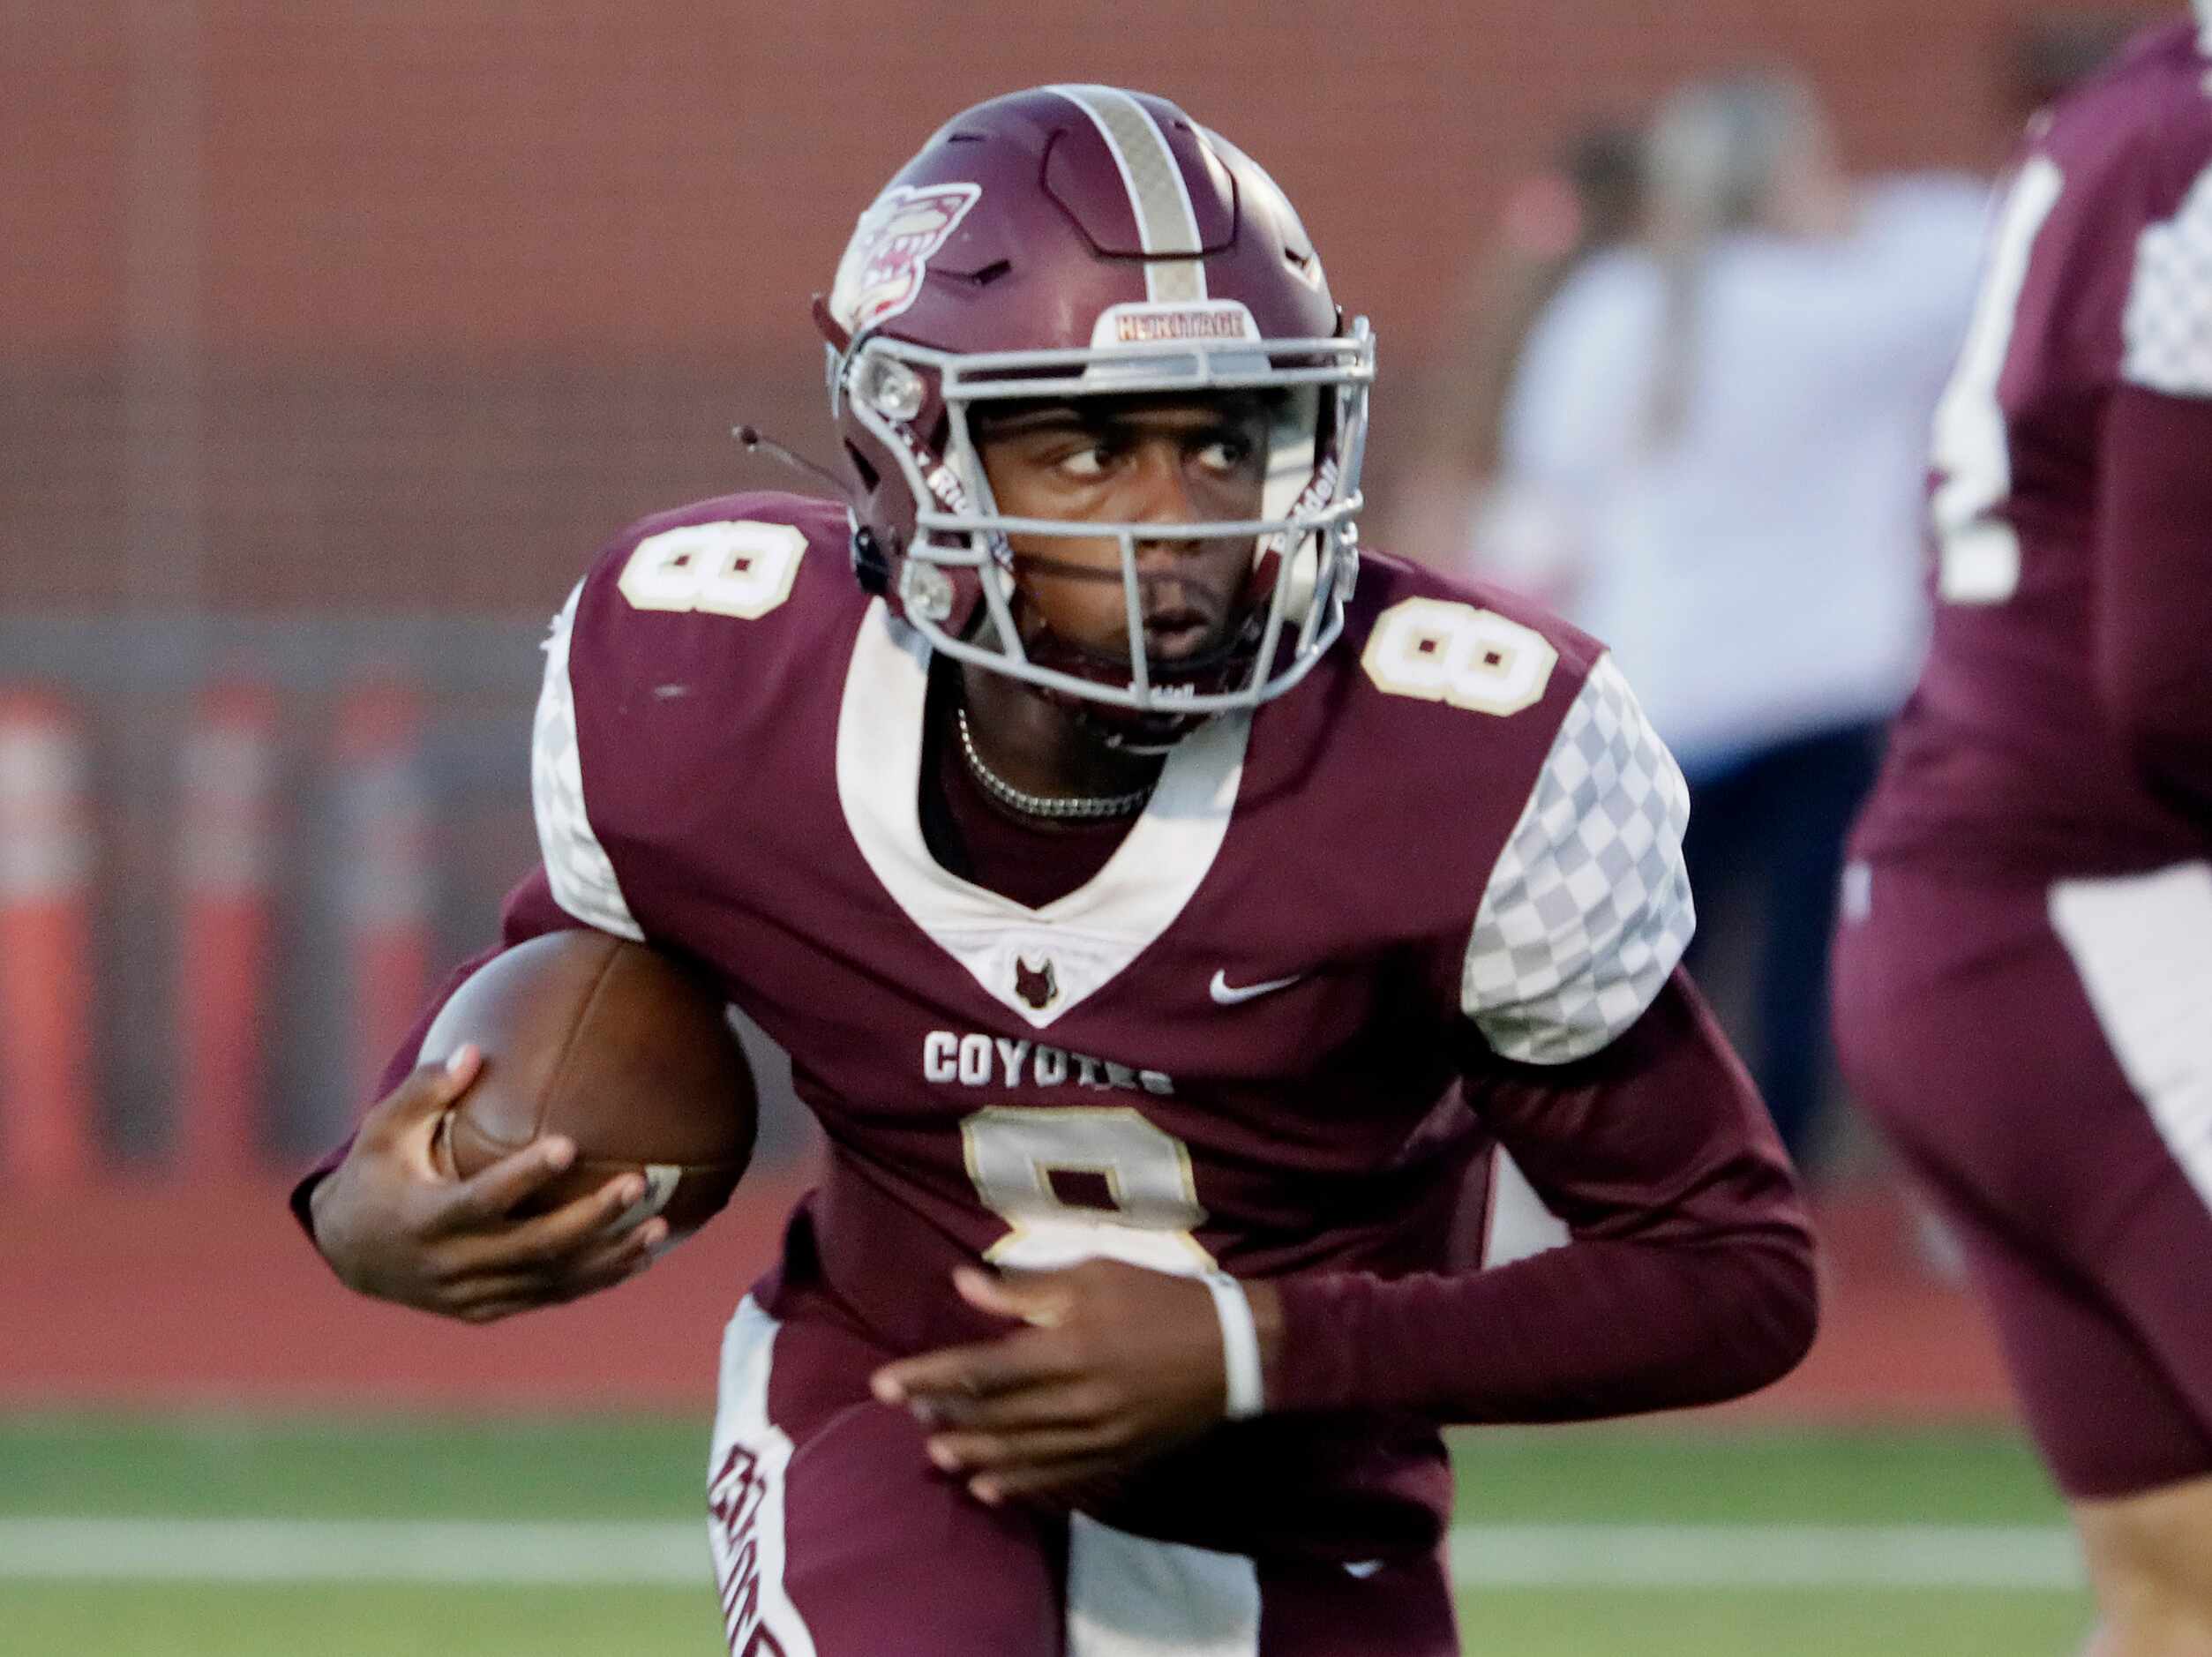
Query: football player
[[1160, 922], [2024, 976]]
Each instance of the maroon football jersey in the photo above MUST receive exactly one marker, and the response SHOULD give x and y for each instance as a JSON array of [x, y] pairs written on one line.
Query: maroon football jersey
[[1269, 982], [1457, 842], [1432, 896], [2009, 758]]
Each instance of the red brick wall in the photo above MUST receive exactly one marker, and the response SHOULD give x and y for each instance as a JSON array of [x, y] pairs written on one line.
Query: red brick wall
[[409, 303]]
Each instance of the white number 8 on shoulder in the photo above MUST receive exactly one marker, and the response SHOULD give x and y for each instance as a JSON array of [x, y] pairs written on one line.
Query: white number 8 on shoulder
[[1438, 651], [736, 567]]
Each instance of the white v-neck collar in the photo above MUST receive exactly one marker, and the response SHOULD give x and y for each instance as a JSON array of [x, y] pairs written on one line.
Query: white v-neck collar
[[1075, 945]]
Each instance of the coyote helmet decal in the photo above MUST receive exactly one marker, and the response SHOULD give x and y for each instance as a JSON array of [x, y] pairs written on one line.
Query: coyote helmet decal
[[882, 273]]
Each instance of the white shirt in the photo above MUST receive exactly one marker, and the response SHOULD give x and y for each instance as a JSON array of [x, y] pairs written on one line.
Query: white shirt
[[1758, 575]]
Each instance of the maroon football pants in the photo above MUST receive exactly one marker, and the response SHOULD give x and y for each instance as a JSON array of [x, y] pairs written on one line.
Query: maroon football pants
[[834, 1536], [2041, 1056]]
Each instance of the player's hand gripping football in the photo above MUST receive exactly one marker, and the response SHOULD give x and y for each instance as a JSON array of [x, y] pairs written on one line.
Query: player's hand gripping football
[[1113, 1364], [394, 1225]]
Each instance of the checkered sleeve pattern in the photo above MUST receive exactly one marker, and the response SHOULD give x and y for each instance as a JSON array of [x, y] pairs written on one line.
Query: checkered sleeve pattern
[[577, 866], [1588, 908], [2167, 328]]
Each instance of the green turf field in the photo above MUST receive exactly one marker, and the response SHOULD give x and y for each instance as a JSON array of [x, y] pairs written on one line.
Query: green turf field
[[134, 1539]]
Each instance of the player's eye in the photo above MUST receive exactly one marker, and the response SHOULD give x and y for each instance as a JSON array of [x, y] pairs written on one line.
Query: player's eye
[[1226, 455], [1088, 459]]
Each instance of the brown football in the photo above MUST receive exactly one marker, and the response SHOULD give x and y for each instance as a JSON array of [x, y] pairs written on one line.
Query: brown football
[[614, 1045]]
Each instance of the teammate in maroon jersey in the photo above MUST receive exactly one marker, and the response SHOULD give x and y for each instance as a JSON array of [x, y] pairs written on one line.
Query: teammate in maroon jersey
[[2024, 984], [1150, 916]]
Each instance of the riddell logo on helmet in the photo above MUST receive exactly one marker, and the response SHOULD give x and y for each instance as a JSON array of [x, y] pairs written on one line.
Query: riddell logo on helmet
[[945, 484], [880, 274]]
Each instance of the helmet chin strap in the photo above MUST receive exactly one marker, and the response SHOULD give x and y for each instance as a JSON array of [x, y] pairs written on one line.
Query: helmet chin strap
[[1125, 730], [1126, 739], [869, 563]]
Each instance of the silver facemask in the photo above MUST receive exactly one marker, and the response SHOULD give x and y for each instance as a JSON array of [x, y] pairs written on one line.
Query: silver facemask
[[1305, 544]]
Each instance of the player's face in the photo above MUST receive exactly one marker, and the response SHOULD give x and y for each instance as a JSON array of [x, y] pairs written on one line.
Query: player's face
[[1195, 461]]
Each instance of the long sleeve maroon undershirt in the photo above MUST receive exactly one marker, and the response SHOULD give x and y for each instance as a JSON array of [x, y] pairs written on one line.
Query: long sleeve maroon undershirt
[[2154, 593], [1690, 1279]]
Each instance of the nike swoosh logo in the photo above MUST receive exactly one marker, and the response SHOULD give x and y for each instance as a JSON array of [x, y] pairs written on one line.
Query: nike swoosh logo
[[1229, 995]]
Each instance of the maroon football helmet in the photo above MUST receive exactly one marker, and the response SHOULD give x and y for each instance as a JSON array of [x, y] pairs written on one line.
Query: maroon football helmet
[[1077, 242]]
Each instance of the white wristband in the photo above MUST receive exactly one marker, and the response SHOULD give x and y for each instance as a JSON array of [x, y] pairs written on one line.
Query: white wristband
[[1240, 1347]]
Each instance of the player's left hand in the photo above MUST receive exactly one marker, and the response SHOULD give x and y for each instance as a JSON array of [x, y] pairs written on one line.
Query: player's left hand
[[1117, 1364]]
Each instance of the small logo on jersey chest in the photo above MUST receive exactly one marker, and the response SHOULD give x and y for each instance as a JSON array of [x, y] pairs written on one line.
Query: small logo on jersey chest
[[1035, 985], [1227, 995]]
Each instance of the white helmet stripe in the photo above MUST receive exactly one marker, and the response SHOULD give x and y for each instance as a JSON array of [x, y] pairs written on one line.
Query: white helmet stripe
[[1158, 195]]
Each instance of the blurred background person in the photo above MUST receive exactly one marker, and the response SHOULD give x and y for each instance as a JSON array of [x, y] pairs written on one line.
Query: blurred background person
[[1452, 508], [1723, 423], [2024, 976], [1456, 506], [2046, 57]]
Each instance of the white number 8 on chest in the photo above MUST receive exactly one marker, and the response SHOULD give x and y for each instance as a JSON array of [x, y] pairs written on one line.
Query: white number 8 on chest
[[1013, 1151]]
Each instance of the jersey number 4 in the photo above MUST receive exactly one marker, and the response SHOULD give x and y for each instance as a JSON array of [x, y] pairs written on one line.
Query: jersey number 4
[[1978, 552]]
